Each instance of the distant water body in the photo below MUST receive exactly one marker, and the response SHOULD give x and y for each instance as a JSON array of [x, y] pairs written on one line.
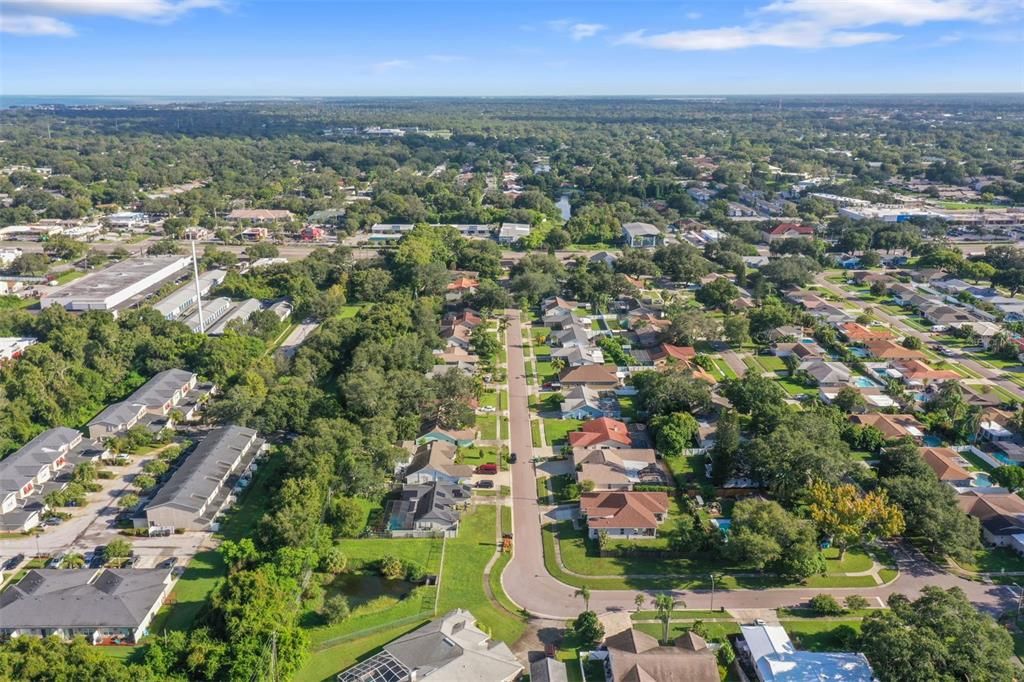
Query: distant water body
[[8, 101]]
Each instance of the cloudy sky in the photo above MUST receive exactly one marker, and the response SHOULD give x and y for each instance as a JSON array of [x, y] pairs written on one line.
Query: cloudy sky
[[527, 47]]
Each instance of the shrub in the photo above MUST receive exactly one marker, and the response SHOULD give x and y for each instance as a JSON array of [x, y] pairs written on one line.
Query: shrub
[[391, 567], [335, 609], [826, 605], [335, 561], [855, 602], [588, 629], [414, 572]]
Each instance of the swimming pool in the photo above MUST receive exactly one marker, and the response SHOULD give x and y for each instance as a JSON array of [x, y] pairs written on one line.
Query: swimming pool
[[1004, 459], [981, 480], [723, 525], [864, 382], [859, 352], [932, 441]]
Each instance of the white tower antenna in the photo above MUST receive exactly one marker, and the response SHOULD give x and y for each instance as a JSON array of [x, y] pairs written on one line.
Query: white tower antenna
[[199, 295]]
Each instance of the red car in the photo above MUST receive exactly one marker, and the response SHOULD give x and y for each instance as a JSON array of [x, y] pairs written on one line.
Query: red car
[[487, 469]]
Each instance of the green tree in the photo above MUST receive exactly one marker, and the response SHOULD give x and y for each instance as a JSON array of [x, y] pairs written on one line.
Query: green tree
[[391, 567], [588, 629], [718, 293], [664, 604], [335, 609], [847, 515], [117, 549], [1011, 477], [736, 329], [584, 593], [674, 433], [826, 605], [765, 537]]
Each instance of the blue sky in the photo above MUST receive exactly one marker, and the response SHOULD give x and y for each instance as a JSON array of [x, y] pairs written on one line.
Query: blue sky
[[487, 47]]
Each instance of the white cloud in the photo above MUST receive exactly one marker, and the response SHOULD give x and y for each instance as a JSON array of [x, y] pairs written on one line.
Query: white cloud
[[581, 31], [822, 24], [40, 17], [34, 25], [693, 16], [575, 30]]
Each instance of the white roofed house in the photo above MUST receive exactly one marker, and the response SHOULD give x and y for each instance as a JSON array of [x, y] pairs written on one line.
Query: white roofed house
[[641, 235], [776, 659], [510, 233]]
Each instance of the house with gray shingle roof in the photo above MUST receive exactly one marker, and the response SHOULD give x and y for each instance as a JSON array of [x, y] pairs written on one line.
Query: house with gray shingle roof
[[109, 605], [158, 396]]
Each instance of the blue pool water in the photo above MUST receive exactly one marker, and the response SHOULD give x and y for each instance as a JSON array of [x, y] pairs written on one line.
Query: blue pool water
[[723, 525], [1003, 458], [932, 441], [859, 352], [863, 382], [981, 480]]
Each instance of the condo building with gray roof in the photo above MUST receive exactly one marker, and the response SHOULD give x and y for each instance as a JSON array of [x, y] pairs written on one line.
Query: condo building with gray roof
[[158, 397], [106, 606], [201, 487]]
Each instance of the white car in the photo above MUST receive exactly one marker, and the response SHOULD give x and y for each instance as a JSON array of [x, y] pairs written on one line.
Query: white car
[[487, 408]]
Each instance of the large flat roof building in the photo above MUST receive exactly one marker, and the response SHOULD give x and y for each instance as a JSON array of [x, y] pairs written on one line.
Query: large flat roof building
[[113, 286], [199, 488], [106, 606]]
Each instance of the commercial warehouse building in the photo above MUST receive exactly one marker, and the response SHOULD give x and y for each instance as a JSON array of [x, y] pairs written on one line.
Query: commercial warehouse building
[[157, 397], [114, 286], [212, 311], [184, 299], [201, 487], [242, 312]]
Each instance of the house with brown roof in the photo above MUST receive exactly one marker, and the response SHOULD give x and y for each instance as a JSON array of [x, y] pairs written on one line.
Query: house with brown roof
[[916, 373], [858, 333], [460, 287], [666, 353], [888, 350], [868, 277], [948, 465], [787, 231], [602, 432], [600, 377], [617, 469], [892, 425], [1001, 516], [635, 656], [798, 349], [624, 514]]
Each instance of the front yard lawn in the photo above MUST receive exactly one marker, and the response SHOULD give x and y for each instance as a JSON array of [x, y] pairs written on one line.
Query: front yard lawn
[[823, 635], [557, 430], [488, 426], [996, 560], [474, 456], [546, 371]]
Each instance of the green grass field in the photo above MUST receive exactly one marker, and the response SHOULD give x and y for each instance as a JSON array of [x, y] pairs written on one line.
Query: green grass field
[[475, 456], [557, 430], [535, 434], [348, 311], [325, 664], [487, 424]]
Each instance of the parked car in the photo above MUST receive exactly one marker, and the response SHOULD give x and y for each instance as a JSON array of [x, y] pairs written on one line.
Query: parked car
[[14, 562], [485, 484], [487, 469], [512, 458]]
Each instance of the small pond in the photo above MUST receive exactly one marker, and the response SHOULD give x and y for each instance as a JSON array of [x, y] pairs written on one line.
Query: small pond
[[363, 587]]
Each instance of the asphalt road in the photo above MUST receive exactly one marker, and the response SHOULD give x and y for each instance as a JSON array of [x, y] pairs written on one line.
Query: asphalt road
[[528, 584]]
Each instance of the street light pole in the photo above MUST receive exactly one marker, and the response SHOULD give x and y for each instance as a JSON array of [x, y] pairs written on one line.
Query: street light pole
[[712, 590], [1020, 598]]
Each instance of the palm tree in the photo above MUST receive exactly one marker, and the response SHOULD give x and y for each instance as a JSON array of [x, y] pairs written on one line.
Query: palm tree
[[639, 600], [73, 561], [585, 593], [664, 604]]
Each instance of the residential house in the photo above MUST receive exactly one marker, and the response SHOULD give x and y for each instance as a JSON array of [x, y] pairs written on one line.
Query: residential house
[[200, 488], [825, 373], [926, 275], [869, 277], [427, 507], [787, 332], [449, 649], [576, 356], [799, 349], [432, 431], [874, 397], [641, 235], [617, 469], [510, 233], [594, 376], [1001, 515], [30, 472], [892, 425], [602, 432], [312, 233], [857, 333], [548, 669], [946, 316], [582, 402], [254, 234], [787, 231], [624, 514], [915, 373], [981, 395], [157, 397], [948, 465], [776, 659], [435, 461], [105, 606], [606, 257], [902, 293], [829, 313], [461, 286], [559, 319], [667, 354], [467, 317], [458, 334], [888, 350], [635, 656], [572, 336]]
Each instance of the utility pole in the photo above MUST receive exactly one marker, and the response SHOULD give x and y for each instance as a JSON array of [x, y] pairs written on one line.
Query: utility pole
[[712, 591], [199, 294]]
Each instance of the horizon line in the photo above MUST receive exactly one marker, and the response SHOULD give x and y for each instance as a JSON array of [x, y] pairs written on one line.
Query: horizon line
[[519, 95]]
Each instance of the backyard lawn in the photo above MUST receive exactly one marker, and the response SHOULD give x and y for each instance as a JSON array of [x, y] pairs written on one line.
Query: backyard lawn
[[474, 457], [557, 430], [348, 311], [462, 580]]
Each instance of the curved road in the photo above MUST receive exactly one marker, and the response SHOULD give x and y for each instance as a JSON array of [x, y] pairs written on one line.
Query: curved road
[[529, 585]]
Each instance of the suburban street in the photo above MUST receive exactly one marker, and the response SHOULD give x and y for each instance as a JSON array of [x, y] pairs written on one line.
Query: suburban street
[[529, 585]]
